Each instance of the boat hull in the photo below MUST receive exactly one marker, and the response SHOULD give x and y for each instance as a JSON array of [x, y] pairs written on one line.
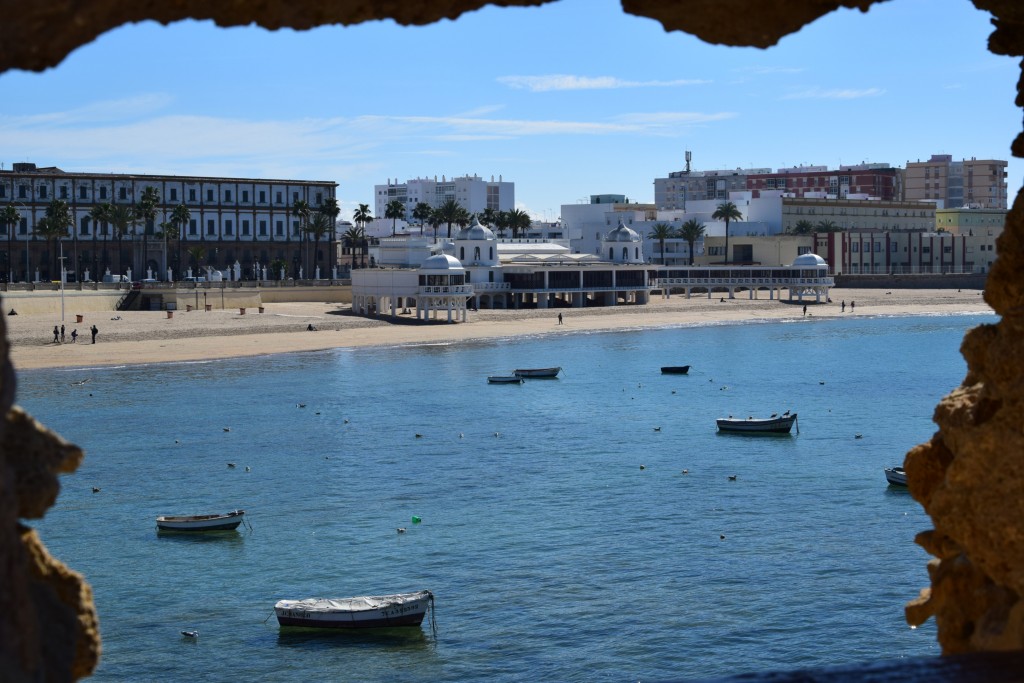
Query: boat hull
[[226, 522], [537, 373], [505, 380], [896, 476], [383, 611], [675, 369], [778, 425]]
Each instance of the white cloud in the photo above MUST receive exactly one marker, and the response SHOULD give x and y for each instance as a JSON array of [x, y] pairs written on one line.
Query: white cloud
[[833, 94], [570, 82]]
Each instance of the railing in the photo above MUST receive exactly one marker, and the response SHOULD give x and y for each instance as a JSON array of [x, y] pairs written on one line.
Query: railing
[[827, 281], [490, 286], [447, 289]]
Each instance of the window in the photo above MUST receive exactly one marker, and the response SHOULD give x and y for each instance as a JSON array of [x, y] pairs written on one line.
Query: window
[[123, 193], [295, 196], [894, 248], [878, 247], [22, 191], [84, 225], [926, 250], [245, 227], [263, 196], [63, 191], [192, 226], [295, 227], [278, 197], [800, 251], [228, 227], [3, 190], [279, 228], [947, 250], [319, 198], [211, 227], [174, 194], [856, 247], [191, 195], [263, 228], [209, 195], [245, 196], [23, 228], [227, 195], [83, 193], [42, 191]]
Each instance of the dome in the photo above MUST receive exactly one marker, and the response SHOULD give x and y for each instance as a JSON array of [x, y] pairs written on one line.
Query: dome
[[442, 262], [622, 234], [808, 260], [477, 231]]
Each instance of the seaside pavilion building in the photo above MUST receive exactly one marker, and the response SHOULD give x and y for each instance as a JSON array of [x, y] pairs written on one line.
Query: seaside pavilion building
[[240, 226]]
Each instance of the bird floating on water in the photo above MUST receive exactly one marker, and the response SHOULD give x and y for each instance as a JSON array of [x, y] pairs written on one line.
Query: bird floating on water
[[643, 467], [231, 464], [300, 405], [419, 436], [657, 429], [732, 477], [497, 434], [248, 469], [400, 529], [461, 435], [95, 489], [346, 420], [858, 436], [190, 634], [227, 429], [686, 471]]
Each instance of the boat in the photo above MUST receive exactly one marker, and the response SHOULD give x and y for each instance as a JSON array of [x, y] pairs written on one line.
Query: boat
[[370, 611], [537, 373], [776, 424], [675, 369], [225, 522], [505, 379], [896, 476]]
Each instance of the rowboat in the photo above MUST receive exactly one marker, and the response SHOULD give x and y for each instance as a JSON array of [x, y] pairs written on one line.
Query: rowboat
[[225, 522], [896, 476], [505, 379], [675, 369], [370, 611], [776, 424], [537, 373]]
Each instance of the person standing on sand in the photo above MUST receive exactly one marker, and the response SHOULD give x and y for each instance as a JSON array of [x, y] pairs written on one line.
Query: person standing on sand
[[852, 305], [74, 335], [94, 333], [56, 334], [843, 308], [61, 334], [805, 310], [559, 318]]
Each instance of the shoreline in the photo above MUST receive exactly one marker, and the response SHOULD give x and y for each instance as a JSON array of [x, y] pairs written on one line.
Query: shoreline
[[149, 337]]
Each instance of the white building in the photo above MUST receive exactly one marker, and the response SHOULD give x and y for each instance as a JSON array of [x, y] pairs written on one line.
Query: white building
[[472, 192]]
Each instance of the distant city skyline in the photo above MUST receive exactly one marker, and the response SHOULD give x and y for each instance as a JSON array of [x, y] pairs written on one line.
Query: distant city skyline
[[567, 100]]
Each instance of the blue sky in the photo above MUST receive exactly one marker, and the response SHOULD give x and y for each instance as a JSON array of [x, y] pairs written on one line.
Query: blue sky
[[566, 100]]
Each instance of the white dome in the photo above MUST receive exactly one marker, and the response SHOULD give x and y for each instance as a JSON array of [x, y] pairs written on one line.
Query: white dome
[[477, 231], [442, 262], [622, 234], [809, 260]]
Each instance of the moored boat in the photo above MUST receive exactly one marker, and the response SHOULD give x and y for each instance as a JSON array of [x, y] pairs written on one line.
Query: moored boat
[[368, 611], [896, 476], [505, 379], [537, 373], [224, 522], [776, 424], [675, 369]]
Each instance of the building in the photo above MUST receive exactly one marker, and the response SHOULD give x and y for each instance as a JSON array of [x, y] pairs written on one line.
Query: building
[[241, 221], [976, 183], [861, 180], [824, 214], [681, 187], [473, 193], [891, 252], [963, 221]]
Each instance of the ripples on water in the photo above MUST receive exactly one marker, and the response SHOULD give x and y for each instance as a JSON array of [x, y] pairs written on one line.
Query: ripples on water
[[552, 554]]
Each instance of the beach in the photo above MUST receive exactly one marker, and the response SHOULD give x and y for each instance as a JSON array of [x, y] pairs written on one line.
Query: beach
[[141, 337]]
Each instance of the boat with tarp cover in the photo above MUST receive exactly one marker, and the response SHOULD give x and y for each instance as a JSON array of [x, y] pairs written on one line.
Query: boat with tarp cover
[[368, 611]]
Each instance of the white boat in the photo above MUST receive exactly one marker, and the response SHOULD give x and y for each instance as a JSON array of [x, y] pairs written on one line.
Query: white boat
[[225, 522], [505, 379], [537, 373], [776, 424], [896, 476], [369, 611]]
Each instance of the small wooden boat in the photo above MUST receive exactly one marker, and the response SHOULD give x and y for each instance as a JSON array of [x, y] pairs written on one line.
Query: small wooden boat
[[224, 522], [505, 379], [896, 476], [537, 373], [776, 424], [675, 369], [371, 611]]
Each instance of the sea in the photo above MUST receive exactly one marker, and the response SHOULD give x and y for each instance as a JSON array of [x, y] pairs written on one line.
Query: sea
[[595, 527]]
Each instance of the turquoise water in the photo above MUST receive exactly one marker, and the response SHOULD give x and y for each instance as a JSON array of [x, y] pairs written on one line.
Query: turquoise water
[[551, 553]]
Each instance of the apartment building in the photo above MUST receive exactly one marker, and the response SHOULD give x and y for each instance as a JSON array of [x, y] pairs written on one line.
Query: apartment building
[[975, 183], [473, 193]]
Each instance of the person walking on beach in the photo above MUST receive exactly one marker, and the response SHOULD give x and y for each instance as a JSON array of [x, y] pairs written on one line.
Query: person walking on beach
[[74, 336], [559, 318], [56, 334], [94, 333], [61, 334], [852, 305], [843, 309], [805, 310]]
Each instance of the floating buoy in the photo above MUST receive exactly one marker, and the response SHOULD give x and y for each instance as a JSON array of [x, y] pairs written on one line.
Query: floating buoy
[[416, 519]]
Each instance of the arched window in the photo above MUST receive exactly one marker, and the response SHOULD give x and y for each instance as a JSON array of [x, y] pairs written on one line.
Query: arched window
[[490, 254], [636, 254], [476, 253], [625, 253], [462, 253], [611, 254]]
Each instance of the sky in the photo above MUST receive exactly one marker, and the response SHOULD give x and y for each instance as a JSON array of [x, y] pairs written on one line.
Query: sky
[[566, 100]]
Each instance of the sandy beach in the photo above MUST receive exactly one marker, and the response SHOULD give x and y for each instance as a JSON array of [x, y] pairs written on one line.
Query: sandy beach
[[135, 337]]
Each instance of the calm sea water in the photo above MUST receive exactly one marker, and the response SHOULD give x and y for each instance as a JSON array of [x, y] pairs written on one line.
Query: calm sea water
[[552, 554]]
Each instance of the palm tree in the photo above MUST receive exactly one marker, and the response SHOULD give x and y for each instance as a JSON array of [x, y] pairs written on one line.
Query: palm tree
[[170, 231], [518, 221], [691, 231], [435, 219], [394, 210], [354, 238], [827, 226], [301, 210], [180, 217], [661, 232], [462, 218], [501, 222], [319, 226], [448, 212], [122, 218], [422, 214], [57, 220], [196, 253], [487, 216], [802, 227], [331, 209], [10, 217], [100, 215], [145, 211], [726, 211], [362, 216]]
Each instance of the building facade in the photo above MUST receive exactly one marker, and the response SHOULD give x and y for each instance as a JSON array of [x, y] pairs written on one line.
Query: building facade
[[473, 193], [241, 221], [964, 221], [975, 183], [889, 252], [856, 214]]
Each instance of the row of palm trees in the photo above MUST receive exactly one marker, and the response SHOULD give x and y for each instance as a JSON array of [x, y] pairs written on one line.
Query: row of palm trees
[[805, 227], [451, 213], [692, 230], [58, 223]]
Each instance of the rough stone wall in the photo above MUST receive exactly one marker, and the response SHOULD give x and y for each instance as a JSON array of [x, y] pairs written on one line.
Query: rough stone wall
[[969, 477]]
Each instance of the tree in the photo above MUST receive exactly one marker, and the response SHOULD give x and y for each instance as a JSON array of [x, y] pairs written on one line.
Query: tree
[[55, 224], [691, 231], [196, 253], [354, 238], [487, 216], [301, 210], [727, 211], [10, 217], [518, 221], [331, 209], [501, 220], [435, 220], [278, 265], [319, 226], [449, 213], [422, 214], [100, 215], [180, 217], [462, 217], [394, 210], [827, 226], [145, 211], [661, 232], [170, 231], [362, 216], [802, 227], [122, 218]]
